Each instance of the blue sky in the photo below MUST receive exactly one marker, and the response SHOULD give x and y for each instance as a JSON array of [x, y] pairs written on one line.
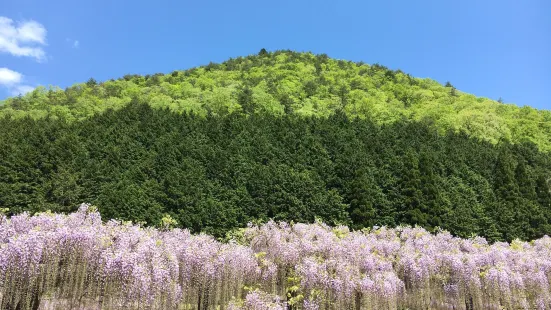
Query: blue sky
[[489, 48]]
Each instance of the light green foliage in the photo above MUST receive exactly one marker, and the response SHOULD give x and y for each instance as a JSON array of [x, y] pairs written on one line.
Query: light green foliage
[[168, 222], [301, 83], [264, 101]]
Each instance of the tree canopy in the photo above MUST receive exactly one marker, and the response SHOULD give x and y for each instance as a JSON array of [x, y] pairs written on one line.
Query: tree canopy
[[286, 82]]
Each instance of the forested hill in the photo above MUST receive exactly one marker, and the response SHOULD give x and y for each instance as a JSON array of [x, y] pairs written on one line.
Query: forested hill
[[303, 84], [285, 136]]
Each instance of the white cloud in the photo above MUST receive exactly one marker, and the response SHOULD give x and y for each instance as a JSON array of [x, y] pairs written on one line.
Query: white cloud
[[76, 44], [11, 80], [9, 77], [22, 38], [21, 90]]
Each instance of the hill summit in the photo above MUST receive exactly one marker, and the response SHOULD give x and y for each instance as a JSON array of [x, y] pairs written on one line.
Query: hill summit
[[286, 82]]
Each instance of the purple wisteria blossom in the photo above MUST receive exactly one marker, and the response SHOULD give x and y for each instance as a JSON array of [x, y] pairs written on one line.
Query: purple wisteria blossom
[[76, 261]]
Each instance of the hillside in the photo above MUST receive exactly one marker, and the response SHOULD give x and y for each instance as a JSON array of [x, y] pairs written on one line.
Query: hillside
[[304, 84]]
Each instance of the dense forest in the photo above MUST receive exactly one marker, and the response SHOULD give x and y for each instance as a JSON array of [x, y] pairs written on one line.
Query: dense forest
[[285, 136], [215, 173]]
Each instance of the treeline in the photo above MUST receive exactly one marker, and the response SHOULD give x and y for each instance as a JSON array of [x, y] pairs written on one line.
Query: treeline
[[286, 82], [213, 173]]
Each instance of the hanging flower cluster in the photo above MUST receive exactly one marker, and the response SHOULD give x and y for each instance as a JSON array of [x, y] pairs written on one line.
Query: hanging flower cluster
[[76, 261]]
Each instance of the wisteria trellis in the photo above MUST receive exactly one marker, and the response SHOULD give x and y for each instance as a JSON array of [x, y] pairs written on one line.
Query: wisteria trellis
[[76, 261]]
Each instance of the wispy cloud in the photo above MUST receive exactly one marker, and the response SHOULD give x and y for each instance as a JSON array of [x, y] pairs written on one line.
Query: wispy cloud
[[22, 38], [72, 43], [12, 81], [21, 90]]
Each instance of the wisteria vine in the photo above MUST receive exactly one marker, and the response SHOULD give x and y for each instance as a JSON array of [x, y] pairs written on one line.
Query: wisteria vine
[[76, 261]]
